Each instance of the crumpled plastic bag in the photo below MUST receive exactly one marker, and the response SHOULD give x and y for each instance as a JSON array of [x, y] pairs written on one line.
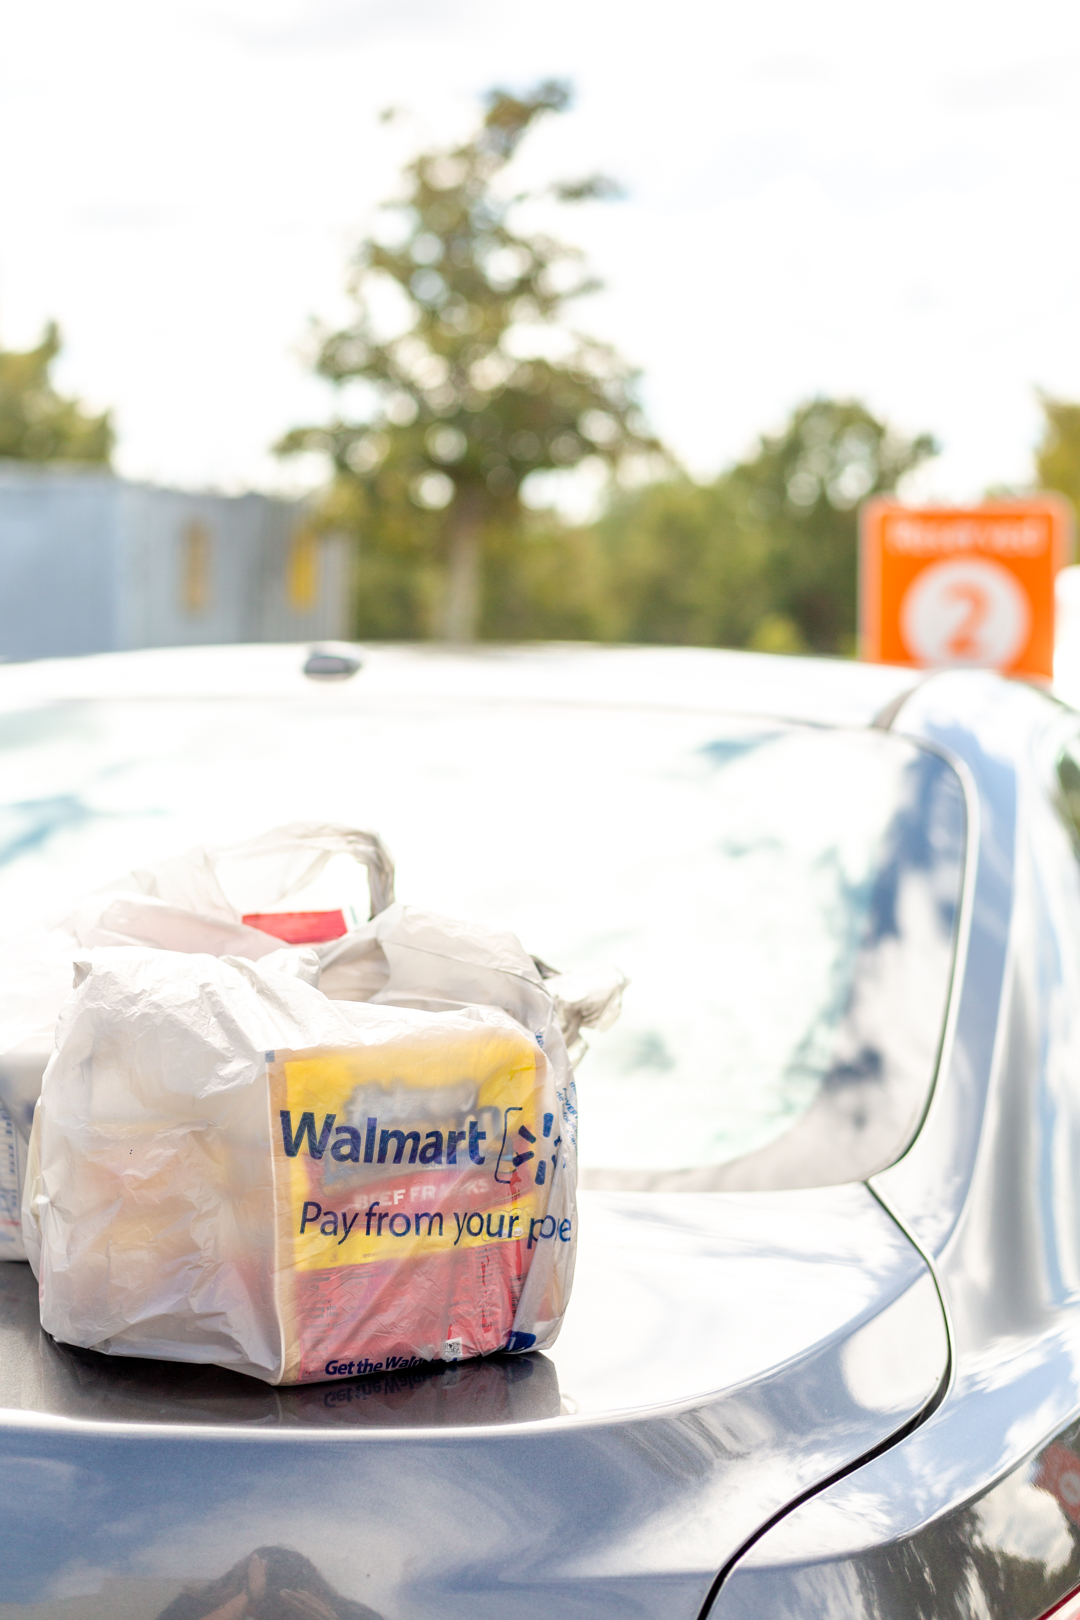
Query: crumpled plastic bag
[[197, 901], [341, 1158]]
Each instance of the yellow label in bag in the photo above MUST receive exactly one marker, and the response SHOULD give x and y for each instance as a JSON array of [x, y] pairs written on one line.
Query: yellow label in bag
[[411, 1183]]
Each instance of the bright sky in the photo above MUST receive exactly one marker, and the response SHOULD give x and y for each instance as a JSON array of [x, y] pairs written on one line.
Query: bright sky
[[875, 200]]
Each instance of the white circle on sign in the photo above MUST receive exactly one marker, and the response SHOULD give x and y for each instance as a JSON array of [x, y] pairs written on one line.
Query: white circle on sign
[[965, 610]]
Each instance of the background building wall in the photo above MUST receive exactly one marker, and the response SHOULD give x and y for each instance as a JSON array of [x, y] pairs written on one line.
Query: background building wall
[[90, 563]]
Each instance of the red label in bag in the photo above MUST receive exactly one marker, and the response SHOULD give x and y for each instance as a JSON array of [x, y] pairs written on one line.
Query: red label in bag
[[298, 927], [412, 1182]]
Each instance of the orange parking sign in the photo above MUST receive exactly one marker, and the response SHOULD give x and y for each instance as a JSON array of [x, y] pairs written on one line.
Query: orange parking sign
[[974, 586]]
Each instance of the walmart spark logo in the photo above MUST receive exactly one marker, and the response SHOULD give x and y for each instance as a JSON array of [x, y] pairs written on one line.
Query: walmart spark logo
[[523, 1146]]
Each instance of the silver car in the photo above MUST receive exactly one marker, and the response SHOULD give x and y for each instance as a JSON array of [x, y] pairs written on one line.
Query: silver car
[[822, 1356]]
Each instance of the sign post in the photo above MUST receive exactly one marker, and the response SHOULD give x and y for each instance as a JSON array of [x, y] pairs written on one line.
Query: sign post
[[974, 587]]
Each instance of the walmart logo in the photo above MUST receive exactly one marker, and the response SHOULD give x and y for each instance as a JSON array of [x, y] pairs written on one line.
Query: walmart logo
[[521, 1147]]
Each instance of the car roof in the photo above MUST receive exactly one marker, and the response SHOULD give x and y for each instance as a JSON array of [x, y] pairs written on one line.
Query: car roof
[[821, 690]]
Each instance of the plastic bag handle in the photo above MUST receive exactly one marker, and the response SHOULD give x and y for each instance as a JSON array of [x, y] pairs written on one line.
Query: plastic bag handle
[[191, 881], [368, 849]]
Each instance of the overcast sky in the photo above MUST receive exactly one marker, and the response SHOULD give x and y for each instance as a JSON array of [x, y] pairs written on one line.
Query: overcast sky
[[845, 197]]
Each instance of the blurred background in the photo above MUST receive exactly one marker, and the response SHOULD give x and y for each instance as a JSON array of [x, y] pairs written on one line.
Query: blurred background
[[660, 295]]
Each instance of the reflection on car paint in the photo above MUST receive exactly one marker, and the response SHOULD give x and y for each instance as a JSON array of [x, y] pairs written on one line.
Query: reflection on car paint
[[865, 1065], [273, 1583], [990, 1190], [774, 1369], [29, 824], [1058, 1472]]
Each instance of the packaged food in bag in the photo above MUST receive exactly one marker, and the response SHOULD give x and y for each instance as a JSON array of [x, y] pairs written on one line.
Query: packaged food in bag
[[229, 1166], [243, 900]]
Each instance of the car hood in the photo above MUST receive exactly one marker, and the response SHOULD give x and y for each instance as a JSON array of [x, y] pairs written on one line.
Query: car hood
[[722, 1355]]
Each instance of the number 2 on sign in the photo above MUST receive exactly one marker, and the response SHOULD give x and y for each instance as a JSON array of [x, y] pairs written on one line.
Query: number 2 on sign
[[965, 640]]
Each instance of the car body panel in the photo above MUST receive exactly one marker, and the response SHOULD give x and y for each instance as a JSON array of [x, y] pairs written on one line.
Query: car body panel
[[722, 1353], [826, 691], [990, 1191], [1008, 1550]]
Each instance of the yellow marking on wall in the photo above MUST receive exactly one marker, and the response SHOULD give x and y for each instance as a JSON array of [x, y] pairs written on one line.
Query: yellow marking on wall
[[302, 570], [195, 546]]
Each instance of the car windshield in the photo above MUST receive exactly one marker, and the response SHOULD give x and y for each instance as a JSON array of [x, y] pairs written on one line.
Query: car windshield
[[781, 897]]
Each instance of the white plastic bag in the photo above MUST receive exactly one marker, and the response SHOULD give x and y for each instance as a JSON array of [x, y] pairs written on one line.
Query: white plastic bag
[[229, 1166], [193, 902]]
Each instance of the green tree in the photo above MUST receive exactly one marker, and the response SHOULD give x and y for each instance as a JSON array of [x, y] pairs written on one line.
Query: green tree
[[471, 396], [1057, 456], [37, 423], [805, 485], [682, 563], [766, 556]]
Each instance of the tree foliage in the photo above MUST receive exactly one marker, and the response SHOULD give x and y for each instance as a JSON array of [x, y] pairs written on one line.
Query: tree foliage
[[37, 423], [1057, 457], [682, 563], [805, 485], [482, 385], [766, 556]]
